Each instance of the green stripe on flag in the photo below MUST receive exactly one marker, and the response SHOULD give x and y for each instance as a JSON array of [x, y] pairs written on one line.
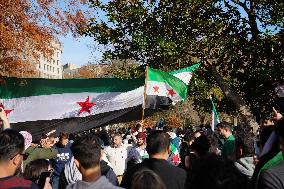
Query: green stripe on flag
[[192, 68], [160, 76], [25, 87]]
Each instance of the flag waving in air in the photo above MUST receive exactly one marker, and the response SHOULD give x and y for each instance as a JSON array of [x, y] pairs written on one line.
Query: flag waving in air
[[163, 88], [214, 116]]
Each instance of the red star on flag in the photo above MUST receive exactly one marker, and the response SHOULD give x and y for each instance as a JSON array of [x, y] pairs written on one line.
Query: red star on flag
[[156, 89], [176, 159], [171, 92], [7, 112], [85, 106]]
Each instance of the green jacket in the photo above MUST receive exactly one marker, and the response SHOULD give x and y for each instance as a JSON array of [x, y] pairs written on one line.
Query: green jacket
[[275, 161], [35, 152], [228, 147]]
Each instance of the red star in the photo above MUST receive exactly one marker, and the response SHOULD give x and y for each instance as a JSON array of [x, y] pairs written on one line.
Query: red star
[[171, 92], [6, 111], [176, 159], [85, 106], [156, 89]]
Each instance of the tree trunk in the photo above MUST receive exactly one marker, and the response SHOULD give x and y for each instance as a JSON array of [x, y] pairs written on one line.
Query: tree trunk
[[245, 113]]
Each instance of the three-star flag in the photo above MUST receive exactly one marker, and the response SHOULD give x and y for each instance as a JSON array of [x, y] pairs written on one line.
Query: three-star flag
[[164, 88]]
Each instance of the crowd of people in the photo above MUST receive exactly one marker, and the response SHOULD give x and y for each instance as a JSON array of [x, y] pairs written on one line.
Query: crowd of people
[[230, 157]]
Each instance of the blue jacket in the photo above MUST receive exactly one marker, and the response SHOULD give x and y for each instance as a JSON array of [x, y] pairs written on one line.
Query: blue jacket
[[64, 155]]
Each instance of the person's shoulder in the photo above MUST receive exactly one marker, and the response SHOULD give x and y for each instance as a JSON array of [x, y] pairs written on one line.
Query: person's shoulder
[[16, 182], [272, 178], [171, 168], [178, 170], [276, 170]]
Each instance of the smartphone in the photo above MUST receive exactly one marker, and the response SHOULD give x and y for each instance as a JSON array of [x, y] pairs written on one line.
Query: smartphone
[[42, 178]]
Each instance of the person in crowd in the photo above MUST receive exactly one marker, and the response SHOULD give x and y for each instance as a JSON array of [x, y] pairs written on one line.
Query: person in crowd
[[138, 152], [216, 172], [34, 152], [190, 155], [273, 177], [103, 134], [87, 152], [63, 156], [158, 148], [35, 168], [201, 146], [269, 157], [12, 147], [117, 155], [228, 149], [147, 179], [205, 144], [244, 152], [183, 153], [71, 174]]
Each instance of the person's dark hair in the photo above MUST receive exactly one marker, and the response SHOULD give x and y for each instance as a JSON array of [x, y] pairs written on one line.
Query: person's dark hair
[[213, 141], [35, 168], [225, 125], [63, 136], [245, 141], [138, 126], [87, 151], [216, 172], [167, 129], [147, 179], [201, 145], [157, 141], [265, 134], [11, 143]]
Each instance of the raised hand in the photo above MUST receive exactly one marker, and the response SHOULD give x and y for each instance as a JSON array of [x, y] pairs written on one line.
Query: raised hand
[[276, 116]]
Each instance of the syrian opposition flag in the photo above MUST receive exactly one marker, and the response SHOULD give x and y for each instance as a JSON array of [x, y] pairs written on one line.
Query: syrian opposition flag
[[163, 88], [70, 105], [47, 99], [214, 116]]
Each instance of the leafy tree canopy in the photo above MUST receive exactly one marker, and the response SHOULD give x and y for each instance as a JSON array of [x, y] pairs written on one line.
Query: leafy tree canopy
[[243, 39]]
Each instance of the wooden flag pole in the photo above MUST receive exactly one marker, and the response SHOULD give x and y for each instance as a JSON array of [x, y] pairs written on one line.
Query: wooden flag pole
[[145, 96]]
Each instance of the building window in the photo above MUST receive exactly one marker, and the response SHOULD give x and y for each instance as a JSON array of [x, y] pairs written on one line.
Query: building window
[[57, 62], [44, 67], [47, 67], [57, 54], [52, 69], [58, 70]]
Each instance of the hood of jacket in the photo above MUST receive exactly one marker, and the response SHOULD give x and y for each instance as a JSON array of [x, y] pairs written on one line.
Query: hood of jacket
[[246, 166]]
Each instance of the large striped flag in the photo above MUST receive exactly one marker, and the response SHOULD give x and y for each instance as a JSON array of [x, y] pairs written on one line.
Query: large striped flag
[[214, 116], [31, 103], [163, 88], [47, 99], [41, 105]]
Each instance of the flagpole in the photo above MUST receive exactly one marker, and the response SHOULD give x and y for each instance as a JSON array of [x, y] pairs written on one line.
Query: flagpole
[[145, 96]]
